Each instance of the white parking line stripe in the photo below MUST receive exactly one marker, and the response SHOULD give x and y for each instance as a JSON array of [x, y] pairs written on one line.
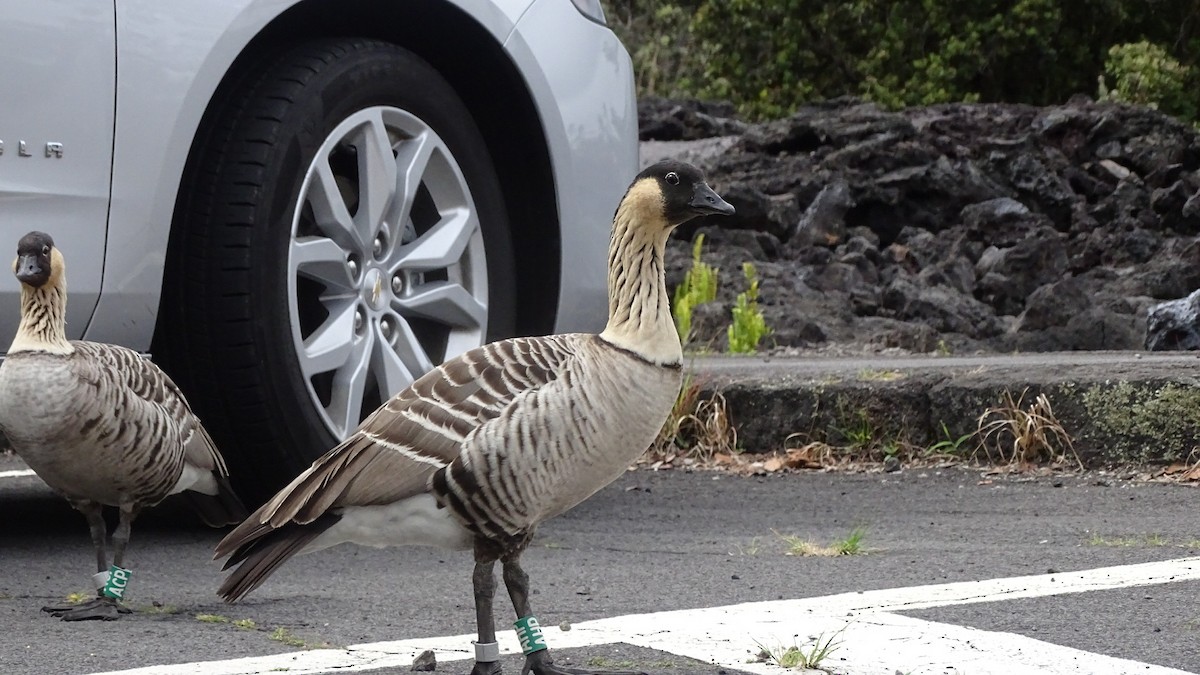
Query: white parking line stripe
[[17, 474], [727, 635]]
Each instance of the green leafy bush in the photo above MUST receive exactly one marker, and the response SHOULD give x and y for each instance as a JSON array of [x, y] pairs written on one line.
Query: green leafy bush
[[1145, 74], [769, 56]]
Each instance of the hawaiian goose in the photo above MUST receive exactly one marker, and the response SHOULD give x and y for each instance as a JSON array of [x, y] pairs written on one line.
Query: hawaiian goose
[[100, 425], [478, 452]]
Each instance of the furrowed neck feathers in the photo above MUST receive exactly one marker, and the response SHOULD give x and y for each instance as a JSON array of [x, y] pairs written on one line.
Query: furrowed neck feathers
[[44, 315], [639, 311]]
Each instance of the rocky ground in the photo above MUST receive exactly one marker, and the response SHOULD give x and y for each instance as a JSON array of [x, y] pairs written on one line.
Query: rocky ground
[[961, 228]]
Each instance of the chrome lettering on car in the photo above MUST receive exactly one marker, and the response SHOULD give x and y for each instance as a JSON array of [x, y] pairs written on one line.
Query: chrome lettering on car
[[53, 149]]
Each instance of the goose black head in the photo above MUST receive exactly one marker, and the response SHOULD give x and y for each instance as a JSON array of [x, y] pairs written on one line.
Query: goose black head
[[683, 191], [35, 263]]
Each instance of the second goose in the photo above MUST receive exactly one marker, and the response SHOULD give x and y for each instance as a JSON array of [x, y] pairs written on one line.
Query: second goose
[[100, 425]]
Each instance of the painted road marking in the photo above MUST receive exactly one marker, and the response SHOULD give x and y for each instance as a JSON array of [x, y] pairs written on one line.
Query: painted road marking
[[874, 639], [17, 474]]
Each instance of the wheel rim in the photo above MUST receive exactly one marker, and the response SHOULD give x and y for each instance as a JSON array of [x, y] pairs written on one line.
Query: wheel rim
[[387, 275]]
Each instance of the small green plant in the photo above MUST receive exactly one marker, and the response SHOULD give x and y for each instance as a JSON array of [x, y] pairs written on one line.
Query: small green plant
[[748, 327], [699, 286], [949, 445], [859, 433], [245, 624], [852, 544], [801, 657], [942, 349]]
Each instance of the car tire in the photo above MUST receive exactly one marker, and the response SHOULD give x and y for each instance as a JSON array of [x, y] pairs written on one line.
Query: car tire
[[299, 250]]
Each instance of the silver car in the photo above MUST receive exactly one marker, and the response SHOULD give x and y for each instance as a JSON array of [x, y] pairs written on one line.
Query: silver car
[[298, 207]]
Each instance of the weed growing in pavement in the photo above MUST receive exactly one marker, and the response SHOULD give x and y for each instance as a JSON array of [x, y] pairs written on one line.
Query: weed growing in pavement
[[212, 618], [284, 636], [1023, 434], [79, 597], [796, 656], [851, 544]]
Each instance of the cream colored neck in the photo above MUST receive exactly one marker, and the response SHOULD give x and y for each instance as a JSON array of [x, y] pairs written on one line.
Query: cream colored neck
[[639, 311], [43, 320]]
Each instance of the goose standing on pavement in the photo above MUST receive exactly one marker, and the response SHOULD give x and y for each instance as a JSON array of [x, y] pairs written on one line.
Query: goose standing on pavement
[[481, 450], [100, 425]]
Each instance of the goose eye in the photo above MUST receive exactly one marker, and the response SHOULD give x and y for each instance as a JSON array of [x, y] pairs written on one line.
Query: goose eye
[[672, 178], [45, 250]]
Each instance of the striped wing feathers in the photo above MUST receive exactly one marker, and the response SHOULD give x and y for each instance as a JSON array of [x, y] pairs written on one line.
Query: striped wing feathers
[[422, 429], [121, 377]]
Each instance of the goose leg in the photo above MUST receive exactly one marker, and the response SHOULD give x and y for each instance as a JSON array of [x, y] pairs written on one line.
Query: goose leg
[[539, 662], [484, 582], [121, 534], [103, 607], [95, 515]]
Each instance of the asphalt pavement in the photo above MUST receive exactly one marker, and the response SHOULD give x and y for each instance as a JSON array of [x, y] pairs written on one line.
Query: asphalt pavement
[[652, 541]]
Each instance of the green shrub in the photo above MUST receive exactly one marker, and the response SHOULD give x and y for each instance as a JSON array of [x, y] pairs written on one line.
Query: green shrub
[[769, 56], [1145, 74], [699, 286], [658, 37]]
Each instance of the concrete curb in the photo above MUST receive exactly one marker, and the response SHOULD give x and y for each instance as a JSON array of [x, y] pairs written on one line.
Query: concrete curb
[[1119, 407]]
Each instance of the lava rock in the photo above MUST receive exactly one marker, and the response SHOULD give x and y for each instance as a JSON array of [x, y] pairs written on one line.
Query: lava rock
[[985, 227], [1174, 325], [661, 119]]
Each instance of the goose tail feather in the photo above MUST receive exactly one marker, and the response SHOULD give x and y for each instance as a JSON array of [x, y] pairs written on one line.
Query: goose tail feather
[[262, 550]]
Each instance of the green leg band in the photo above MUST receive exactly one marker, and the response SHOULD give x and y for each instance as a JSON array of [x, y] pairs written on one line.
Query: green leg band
[[118, 580], [529, 632]]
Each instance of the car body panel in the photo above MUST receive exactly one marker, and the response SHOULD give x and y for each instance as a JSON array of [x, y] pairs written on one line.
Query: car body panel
[[56, 86], [583, 117]]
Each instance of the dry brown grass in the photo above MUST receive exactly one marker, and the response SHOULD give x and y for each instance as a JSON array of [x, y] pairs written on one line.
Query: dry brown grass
[[1023, 434], [699, 429]]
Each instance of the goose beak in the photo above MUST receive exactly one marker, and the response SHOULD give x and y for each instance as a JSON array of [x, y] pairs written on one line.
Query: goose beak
[[705, 202], [30, 271]]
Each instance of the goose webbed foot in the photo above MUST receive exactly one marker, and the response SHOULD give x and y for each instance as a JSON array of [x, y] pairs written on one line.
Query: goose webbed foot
[[486, 668], [101, 608], [540, 663]]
